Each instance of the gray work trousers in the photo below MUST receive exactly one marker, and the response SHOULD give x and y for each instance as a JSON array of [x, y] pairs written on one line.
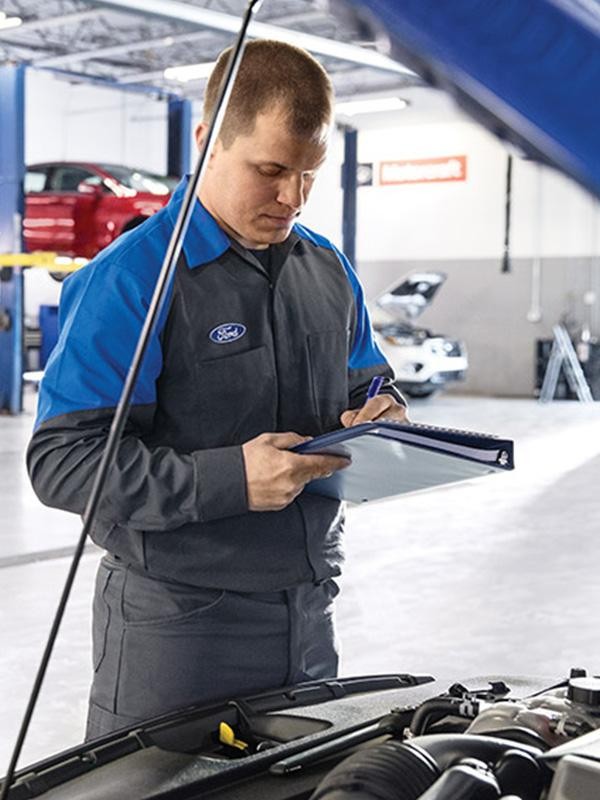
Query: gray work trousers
[[159, 646]]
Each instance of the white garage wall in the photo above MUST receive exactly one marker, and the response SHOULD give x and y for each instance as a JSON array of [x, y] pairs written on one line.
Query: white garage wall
[[84, 122], [465, 219], [458, 228], [324, 208]]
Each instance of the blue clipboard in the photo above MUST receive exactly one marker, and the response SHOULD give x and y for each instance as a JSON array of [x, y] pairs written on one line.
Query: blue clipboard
[[390, 458]]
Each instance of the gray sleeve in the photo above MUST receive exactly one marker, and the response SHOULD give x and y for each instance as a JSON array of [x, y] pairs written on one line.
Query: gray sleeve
[[359, 380], [149, 488]]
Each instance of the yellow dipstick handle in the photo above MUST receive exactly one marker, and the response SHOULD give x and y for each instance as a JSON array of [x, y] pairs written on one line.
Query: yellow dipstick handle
[[227, 736]]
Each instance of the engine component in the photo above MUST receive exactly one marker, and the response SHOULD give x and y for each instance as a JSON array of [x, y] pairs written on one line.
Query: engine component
[[483, 744], [404, 770], [576, 779], [470, 779], [391, 771], [556, 716], [520, 774]]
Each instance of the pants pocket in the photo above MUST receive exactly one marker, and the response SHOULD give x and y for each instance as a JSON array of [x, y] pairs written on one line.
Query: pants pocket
[[149, 602], [101, 615], [231, 647], [107, 633]]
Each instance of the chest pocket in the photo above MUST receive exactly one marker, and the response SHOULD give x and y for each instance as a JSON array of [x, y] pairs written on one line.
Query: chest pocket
[[328, 357], [237, 397]]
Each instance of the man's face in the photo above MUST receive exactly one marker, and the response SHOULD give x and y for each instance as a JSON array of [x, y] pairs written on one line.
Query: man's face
[[257, 187]]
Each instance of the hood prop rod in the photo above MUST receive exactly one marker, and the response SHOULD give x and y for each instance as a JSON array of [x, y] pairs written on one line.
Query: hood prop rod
[[122, 410]]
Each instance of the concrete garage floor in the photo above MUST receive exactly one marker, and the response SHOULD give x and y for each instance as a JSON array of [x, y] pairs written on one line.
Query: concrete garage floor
[[500, 575]]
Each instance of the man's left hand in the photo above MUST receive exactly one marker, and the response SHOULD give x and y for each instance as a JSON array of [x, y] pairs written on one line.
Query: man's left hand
[[383, 405]]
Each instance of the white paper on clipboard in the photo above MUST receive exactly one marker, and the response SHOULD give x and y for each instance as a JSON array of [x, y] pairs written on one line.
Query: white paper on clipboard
[[389, 459]]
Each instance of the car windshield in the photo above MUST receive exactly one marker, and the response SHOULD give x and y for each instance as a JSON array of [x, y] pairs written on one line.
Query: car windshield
[[141, 180]]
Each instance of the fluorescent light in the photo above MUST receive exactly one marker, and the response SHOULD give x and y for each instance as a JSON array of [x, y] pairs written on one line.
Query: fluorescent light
[[190, 72], [370, 106], [9, 22]]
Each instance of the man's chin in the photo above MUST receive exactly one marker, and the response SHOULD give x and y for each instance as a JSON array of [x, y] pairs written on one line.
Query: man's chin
[[273, 236]]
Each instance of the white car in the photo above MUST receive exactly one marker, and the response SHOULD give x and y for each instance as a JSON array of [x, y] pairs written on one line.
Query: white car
[[423, 362]]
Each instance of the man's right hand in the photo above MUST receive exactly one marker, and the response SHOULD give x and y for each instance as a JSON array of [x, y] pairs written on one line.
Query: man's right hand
[[275, 476]]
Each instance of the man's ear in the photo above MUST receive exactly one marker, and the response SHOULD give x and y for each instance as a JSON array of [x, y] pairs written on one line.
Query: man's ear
[[200, 135]]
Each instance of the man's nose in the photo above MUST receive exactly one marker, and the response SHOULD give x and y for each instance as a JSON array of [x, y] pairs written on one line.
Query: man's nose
[[291, 192]]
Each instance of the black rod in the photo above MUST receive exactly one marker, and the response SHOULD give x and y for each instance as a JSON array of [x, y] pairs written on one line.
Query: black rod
[[507, 214], [122, 409]]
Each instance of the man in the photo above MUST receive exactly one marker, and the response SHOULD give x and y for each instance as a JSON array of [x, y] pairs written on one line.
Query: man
[[218, 578]]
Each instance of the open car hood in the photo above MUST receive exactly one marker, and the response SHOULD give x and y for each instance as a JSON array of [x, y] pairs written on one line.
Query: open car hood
[[411, 295], [529, 72]]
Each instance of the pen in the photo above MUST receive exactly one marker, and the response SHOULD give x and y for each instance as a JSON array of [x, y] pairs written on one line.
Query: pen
[[375, 386]]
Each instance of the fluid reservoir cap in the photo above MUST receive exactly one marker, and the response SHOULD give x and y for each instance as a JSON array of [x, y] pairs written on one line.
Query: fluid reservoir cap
[[585, 691]]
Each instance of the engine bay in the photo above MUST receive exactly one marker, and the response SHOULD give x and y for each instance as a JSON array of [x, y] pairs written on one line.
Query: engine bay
[[384, 737], [480, 744]]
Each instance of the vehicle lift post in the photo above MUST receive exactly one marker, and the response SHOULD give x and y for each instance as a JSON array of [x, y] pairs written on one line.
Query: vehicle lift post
[[349, 187], [179, 136], [12, 172]]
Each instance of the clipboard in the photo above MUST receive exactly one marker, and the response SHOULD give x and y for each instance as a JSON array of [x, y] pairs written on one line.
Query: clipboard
[[390, 458]]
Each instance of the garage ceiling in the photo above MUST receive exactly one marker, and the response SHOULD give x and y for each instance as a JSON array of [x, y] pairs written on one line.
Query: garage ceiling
[[133, 42]]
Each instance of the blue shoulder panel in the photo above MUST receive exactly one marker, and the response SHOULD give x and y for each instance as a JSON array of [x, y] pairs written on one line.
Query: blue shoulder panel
[[102, 310], [365, 352]]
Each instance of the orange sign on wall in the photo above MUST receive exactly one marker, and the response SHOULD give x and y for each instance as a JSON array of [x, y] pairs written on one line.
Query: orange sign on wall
[[423, 170]]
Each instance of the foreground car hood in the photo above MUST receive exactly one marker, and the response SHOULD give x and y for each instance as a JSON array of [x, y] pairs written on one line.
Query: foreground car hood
[[179, 755]]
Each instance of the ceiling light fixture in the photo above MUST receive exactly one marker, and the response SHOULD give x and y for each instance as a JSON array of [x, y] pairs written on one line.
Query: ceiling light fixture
[[217, 20], [189, 72], [370, 105], [9, 22]]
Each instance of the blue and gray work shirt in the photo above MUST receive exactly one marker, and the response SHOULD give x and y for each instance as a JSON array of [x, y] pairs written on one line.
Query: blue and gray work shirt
[[239, 351]]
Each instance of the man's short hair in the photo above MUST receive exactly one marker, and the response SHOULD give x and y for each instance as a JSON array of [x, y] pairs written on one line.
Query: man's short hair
[[272, 73]]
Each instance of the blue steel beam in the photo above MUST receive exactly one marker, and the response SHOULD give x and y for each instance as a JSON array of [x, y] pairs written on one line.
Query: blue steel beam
[[529, 70], [180, 137], [349, 184], [12, 169]]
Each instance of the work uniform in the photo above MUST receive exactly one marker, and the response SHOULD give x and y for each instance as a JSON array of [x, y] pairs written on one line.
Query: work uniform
[[200, 598]]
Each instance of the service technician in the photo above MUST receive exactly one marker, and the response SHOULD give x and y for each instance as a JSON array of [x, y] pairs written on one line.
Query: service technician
[[218, 578]]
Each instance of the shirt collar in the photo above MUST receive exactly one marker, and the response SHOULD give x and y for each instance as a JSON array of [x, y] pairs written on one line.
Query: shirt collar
[[204, 240]]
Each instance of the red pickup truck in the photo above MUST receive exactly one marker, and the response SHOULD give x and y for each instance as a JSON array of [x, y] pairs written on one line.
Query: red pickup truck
[[77, 208]]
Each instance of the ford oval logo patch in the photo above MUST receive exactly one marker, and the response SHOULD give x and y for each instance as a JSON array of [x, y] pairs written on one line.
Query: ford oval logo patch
[[227, 332]]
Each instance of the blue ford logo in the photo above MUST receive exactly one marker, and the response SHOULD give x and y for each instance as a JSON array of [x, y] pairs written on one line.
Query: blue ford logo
[[227, 332]]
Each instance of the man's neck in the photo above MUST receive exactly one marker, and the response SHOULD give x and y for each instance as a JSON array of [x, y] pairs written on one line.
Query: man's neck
[[229, 230]]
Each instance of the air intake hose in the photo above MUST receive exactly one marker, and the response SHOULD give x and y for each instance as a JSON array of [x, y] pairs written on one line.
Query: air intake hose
[[405, 770], [389, 771]]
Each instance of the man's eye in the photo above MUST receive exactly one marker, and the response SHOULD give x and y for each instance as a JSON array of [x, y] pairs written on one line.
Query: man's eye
[[269, 172]]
